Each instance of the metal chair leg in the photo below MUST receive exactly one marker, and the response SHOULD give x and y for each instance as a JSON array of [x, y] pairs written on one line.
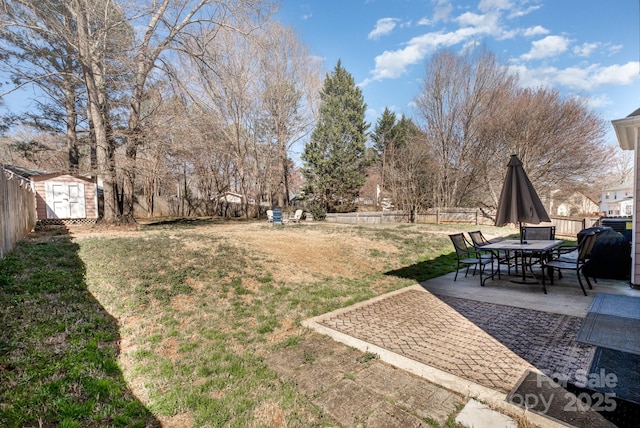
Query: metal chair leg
[[580, 282]]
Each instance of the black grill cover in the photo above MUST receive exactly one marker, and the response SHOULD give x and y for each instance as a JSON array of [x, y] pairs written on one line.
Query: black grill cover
[[611, 254]]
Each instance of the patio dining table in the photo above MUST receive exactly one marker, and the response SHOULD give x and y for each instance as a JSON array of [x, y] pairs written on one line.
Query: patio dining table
[[542, 247]]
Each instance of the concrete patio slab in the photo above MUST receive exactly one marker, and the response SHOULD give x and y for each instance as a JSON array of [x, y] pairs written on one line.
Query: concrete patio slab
[[414, 329], [563, 297], [477, 415]]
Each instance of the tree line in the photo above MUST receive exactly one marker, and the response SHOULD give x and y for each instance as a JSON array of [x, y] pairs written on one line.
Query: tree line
[[472, 114], [186, 97], [195, 98]]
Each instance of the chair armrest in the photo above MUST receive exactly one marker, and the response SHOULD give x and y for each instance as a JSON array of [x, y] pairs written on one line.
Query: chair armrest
[[568, 253], [565, 249]]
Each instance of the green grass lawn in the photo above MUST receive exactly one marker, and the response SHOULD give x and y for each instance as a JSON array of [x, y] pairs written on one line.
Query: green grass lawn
[[171, 322]]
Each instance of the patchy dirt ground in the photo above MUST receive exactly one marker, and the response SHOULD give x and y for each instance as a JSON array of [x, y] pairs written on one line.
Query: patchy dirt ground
[[296, 251]]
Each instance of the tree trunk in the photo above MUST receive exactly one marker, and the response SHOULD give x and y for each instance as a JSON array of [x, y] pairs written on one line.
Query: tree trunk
[[71, 119], [98, 114]]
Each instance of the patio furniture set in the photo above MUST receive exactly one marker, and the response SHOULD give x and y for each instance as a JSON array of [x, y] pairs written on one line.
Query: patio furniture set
[[275, 217], [537, 247]]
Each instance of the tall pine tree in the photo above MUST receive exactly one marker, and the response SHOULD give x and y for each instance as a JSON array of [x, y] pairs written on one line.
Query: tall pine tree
[[335, 156]]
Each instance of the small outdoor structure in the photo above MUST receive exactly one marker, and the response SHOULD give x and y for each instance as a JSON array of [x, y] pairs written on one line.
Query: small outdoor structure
[[627, 132], [61, 198], [230, 198]]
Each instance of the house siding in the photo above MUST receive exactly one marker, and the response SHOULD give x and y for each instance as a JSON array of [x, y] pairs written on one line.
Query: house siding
[[635, 274]]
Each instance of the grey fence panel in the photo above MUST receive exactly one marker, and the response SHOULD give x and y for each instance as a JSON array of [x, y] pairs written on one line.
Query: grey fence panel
[[569, 226], [17, 211]]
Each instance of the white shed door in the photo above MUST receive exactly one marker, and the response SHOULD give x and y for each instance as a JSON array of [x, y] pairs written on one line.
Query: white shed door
[[65, 200]]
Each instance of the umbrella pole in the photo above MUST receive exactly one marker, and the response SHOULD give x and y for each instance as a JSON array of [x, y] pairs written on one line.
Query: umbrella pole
[[520, 231], [522, 265]]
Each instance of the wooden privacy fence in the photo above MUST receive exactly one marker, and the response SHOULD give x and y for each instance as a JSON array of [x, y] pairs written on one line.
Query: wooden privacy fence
[[17, 210], [565, 226], [434, 215]]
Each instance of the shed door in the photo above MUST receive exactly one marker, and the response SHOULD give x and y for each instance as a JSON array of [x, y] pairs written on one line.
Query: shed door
[[65, 200]]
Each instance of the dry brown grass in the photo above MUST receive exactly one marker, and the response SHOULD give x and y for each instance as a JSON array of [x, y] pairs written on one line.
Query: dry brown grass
[[199, 304]]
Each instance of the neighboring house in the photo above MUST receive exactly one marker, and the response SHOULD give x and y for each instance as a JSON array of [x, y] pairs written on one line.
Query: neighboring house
[[567, 204], [618, 200], [230, 197], [60, 197]]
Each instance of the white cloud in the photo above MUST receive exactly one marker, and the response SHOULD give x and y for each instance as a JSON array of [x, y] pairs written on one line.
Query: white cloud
[[538, 30], [488, 24], [516, 9], [442, 10], [586, 78], [614, 49], [586, 49], [546, 47], [575, 77], [383, 27], [617, 74], [469, 19], [423, 21], [392, 64], [596, 102], [540, 77], [486, 5], [519, 12]]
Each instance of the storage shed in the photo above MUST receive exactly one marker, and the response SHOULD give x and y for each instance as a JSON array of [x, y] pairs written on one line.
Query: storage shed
[[61, 198]]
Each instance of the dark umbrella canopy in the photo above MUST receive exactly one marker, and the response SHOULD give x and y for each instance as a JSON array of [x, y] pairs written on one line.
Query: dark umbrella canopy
[[519, 202]]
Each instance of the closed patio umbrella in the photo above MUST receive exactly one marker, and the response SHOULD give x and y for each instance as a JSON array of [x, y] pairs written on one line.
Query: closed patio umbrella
[[519, 203]]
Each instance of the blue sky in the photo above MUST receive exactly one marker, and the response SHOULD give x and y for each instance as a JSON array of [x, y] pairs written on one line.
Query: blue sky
[[584, 48]]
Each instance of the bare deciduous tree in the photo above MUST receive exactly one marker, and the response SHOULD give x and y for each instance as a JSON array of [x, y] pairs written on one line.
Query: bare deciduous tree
[[475, 117], [100, 35], [38, 52], [257, 93], [460, 94], [291, 79]]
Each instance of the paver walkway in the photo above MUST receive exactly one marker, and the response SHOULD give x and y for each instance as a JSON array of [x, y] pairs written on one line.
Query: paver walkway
[[546, 340], [357, 389], [422, 327]]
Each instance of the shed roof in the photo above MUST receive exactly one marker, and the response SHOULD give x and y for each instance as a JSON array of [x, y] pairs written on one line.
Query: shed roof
[[39, 175], [23, 171]]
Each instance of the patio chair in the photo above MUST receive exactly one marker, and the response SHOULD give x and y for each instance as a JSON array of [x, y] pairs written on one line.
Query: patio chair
[[295, 218], [277, 217], [558, 263], [569, 253], [536, 233], [502, 257], [270, 216], [466, 254]]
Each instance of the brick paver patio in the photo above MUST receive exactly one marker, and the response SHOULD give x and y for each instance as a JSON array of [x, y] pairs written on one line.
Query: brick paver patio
[[548, 341], [420, 326]]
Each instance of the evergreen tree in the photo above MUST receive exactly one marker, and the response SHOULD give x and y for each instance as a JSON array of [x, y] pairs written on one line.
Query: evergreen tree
[[383, 133], [335, 156]]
